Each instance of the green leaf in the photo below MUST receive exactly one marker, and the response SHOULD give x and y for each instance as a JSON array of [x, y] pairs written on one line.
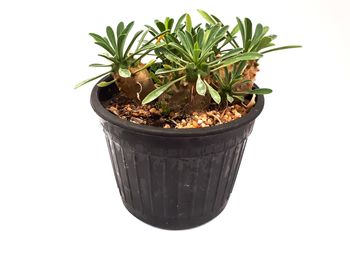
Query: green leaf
[[257, 34], [128, 28], [272, 37], [200, 36], [241, 98], [122, 38], [280, 48], [120, 29], [200, 86], [210, 37], [103, 84], [241, 29], [181, 50], [179, 23], [230, 38], [255, 91], [221, 32], [96, 65], [142, 39], [215, 36], [235, 30], [145, 66], [219, 79], [185, 41], [227, 55], [246, 81], [146, 46], [160, 25], [154, 78], [205, 36], [106, 47], [159, 91], [166, 23], [190, 40], [169, 24], [197, 27], [107, 57], [196, 52], [248, 31], [166, 71], [207, 17], [171, 38], [239, 69], [213, 93], [111, 37], [241, 57], [229, 98], [126, 53], [124, 72], [152, 30], [217, 20], [147, 51], [121, 43], [188, 23], [227, 74], [265, 30], [97, 37], [91, 79], [173, 58], [204, 56], [266, 42]]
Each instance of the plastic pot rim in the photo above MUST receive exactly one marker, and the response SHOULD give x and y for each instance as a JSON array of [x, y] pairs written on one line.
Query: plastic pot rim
[[158, 131]]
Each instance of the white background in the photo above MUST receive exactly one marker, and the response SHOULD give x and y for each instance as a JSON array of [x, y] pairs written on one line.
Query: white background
[[58, 197]]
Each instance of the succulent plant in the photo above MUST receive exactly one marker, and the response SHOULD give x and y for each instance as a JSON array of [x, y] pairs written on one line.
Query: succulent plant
[[126, 69], [193, 65]]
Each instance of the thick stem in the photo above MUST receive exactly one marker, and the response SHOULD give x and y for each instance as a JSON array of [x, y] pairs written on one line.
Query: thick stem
[[137, 86]]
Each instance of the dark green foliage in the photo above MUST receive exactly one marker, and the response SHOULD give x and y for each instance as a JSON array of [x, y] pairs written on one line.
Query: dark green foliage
[[208, 56]]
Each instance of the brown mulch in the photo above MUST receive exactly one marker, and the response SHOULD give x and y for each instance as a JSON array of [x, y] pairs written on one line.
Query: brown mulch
[[149, 114]]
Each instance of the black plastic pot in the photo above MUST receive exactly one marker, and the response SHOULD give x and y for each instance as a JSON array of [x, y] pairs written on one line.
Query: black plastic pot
[[174, 178]]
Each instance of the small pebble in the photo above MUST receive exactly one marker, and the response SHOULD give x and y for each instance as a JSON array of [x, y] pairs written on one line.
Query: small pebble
[[153, 110], [137, 120], [195, 124], [237, 114]]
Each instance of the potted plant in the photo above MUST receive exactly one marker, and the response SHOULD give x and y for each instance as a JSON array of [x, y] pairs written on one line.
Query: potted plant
[[176, 125]]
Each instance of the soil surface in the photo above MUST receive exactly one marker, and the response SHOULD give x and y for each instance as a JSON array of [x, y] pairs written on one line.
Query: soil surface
[[152, 115]]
